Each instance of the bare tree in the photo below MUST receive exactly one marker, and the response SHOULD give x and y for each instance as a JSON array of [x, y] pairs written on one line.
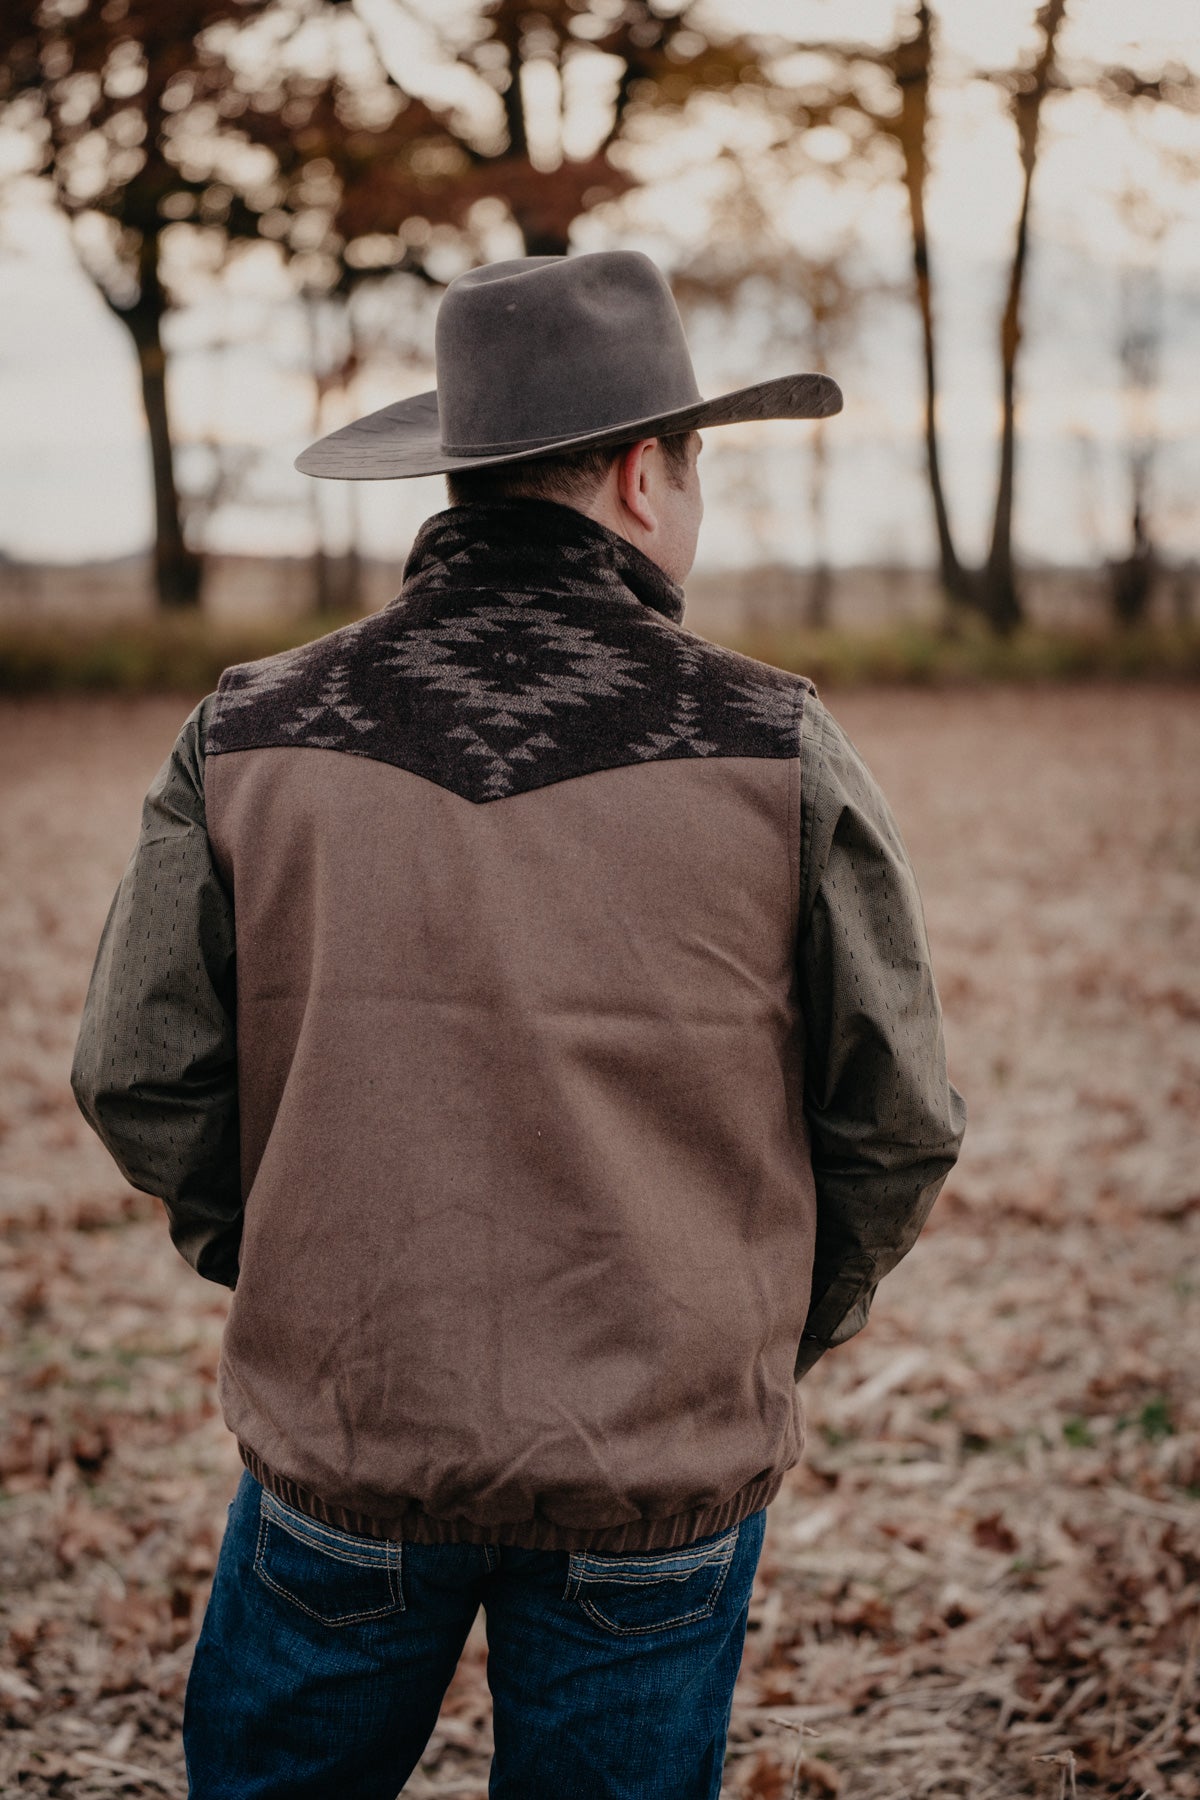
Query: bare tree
[[998, 598], [375, 179], [1148, 215], [641, 56], [903, 115], [1139, 354], [897, 112], [809, 308], [145, 116], [108, 96], [136, 113], [911, 65]]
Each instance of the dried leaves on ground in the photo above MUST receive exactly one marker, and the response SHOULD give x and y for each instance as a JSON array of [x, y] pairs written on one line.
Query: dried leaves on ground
[[984, 1579]]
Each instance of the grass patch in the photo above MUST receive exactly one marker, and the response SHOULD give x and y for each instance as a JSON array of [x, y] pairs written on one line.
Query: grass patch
[[910, 655], [1156, 1421], [185, 653], [177, 653]]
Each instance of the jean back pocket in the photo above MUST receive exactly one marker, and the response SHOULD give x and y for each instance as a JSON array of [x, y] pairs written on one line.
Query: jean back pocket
[[654, 1590], [331, 1575]]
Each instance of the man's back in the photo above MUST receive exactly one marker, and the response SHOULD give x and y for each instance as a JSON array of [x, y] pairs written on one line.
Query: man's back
[[529, 1203]]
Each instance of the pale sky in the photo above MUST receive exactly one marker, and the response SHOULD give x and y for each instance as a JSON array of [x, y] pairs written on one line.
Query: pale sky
[[73, 465]]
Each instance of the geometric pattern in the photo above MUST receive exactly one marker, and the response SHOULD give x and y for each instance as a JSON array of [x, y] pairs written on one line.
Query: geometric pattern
[[528, 645]]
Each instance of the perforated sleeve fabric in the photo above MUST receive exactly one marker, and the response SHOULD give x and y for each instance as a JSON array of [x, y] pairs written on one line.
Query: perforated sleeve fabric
[[155, 1067], [885, 1122]]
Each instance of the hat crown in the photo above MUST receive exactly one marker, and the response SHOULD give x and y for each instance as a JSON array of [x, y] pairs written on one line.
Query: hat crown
[[546, 347]]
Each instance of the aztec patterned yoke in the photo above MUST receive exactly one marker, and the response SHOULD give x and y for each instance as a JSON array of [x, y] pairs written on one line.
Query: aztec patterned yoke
[[500, 668]]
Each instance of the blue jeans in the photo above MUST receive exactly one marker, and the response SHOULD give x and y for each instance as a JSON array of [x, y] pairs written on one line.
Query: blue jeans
[[324, 1658]]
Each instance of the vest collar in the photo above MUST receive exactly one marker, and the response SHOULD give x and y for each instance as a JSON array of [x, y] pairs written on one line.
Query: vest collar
[[532, 545]]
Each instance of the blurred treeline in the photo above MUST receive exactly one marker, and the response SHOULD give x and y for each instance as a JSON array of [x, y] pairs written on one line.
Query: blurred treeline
[[387, 144]]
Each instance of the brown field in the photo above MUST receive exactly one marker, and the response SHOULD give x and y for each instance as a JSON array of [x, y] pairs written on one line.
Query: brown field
[[984, 1580]]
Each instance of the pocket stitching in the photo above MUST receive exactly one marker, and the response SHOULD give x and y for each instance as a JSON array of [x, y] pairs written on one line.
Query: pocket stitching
[[392, 1569], [575, 1586], [598, 1618], [326, 1538], [697, 1555]]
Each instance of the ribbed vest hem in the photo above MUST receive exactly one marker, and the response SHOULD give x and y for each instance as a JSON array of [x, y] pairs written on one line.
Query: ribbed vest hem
[[417, 1526]]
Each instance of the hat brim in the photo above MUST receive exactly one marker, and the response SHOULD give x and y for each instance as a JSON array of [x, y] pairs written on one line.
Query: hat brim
[[404, 439]]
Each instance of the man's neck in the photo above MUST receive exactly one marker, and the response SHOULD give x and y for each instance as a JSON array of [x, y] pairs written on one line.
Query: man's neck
[[525, 541]]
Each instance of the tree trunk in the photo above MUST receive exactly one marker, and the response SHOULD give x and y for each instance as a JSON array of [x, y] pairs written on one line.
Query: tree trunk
[[337, 575], [324, 580], [351, 597], [322, 574], [999, 599], [819, 600], [913, 69], [539, 238], [177, 569], [999, 596], [1131, 581], [955, 579]]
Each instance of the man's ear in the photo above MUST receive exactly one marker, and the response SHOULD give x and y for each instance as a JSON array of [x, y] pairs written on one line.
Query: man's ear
[[633, 485]]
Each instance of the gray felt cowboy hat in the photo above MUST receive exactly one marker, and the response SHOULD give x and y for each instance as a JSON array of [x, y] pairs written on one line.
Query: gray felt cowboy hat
[[546, 354]]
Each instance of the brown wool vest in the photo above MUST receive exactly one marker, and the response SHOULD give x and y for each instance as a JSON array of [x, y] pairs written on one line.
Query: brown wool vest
[[529, 1206]]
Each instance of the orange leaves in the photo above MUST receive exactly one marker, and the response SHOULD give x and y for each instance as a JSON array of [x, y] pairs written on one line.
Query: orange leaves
[[991, 1533]]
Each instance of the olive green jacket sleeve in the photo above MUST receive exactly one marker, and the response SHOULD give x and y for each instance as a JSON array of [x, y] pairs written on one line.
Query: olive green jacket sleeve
[[885, 1123], [155, 1068]]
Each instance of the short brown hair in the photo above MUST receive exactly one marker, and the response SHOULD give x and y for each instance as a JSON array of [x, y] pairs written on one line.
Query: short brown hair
[[567, 478]]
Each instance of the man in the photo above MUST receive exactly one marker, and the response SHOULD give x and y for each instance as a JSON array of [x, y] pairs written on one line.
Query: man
[[525, 1006]]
